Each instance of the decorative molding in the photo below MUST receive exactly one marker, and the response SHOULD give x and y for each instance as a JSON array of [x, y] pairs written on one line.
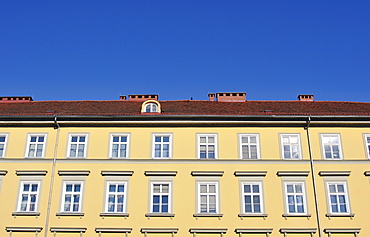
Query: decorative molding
[[113, 230], [116, 173], [253, 231], [205, 230], [23, 229], [334, 173], [113, 214], [298, 230], [207, 173], [74, 172], [250, 173], [31, 172], [160, 173], [342, 230], [159, 215], [159, 230], [292, 173], [3, 172], [25, 213], [66, 229]]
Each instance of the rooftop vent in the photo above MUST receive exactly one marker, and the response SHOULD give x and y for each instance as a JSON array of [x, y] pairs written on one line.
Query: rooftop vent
[[228, 97], [142, 97], [305, 97], [11, 99]]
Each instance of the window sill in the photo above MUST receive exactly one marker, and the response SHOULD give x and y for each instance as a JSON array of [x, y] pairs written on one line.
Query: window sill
[[330, 215], [264, 215], [25, 213], [80, 214], [114, 214], [159, 215], [208, 215], [308, 216]]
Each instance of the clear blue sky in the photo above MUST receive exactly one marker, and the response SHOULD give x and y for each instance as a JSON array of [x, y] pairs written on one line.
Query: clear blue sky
[[98, 50]]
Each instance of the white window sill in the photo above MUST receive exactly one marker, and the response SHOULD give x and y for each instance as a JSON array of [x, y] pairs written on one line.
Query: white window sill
[[25, 213], [114, 214], [159, 214], [264, 215], [296, 215], [80, 214], [330, 215], [208, 215]]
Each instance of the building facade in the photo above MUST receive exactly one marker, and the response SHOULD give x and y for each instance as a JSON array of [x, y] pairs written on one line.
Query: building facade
[[224, 167]]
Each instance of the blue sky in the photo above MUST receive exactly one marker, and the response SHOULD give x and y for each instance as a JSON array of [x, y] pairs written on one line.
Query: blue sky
[[98, 50]]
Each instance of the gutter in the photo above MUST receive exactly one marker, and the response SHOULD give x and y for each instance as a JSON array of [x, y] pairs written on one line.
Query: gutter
[[313, 176], [47, 219]]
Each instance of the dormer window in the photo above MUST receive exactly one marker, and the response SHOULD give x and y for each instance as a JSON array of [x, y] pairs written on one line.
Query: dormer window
[[151, 106]]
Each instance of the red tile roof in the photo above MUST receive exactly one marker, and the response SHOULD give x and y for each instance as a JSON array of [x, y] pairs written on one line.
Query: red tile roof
[[185, 107]]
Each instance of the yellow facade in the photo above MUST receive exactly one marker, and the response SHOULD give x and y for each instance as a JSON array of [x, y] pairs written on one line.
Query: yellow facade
[[184, 171]]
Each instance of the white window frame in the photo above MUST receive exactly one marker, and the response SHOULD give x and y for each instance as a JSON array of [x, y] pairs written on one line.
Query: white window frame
[[161, 143], [152, 194], [116, 193], [127, 143], [295, 194], [244, 194], [2, 155], [367, 145], [37, 135], [345, 193], [208, 194], [241, 144], [331, 146], [64, 193], [152, 107], [207, 144], [28, 193], [298, 144], [77, 143]]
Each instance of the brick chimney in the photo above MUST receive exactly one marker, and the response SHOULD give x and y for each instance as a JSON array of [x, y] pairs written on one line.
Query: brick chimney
[[122, 97], [12, 99], [142, 97], [211, 96], [305, 97], [231, 97]]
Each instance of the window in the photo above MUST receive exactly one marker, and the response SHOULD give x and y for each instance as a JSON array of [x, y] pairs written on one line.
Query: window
[[160, 200], [252, 197], [367, 145], [151, 108], [249, 148], [116, 197], [161, 146], [331, 146], [207, 197], [207, 146], [290, 145], [36, 146], [295, 198], [77, 146], [28, 196], [338, 198], [72, 194], [3, 140], [119, 146]]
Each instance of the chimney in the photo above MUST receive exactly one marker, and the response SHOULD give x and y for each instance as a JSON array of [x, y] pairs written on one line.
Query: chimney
[[122, 97], [231, 97], [211, 96], [142, 97], [14, 99], [305, 97]]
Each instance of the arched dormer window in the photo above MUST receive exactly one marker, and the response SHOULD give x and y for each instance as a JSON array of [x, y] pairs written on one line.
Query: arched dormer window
[[151, 106]]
